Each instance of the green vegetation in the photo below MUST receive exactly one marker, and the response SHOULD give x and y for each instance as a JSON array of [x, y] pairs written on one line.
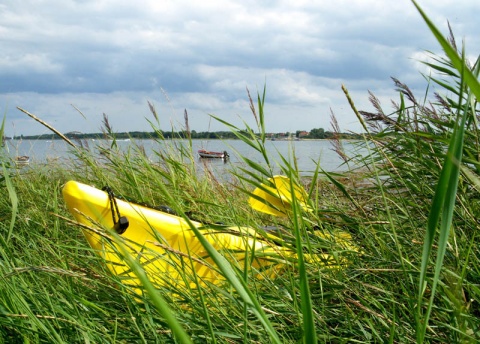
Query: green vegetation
[[317, 133], [412, 209], [158, 134]]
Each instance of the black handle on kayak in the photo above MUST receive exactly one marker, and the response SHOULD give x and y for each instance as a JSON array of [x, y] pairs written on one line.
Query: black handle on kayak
[[122, 224]]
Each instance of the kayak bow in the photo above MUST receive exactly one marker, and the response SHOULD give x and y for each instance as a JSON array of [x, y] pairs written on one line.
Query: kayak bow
[[164, 244]]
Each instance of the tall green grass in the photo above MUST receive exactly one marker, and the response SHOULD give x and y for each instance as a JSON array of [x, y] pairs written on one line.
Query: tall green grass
[[443, 206], [411, 209]]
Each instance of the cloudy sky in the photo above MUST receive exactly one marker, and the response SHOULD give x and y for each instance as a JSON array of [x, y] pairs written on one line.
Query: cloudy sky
[[112, 56]]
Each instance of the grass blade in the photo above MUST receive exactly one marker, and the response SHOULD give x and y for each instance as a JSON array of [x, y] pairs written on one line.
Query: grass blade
[[310, 335], [457, 61]]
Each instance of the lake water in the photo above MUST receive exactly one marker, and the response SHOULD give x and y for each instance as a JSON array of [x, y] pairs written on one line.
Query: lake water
[[307, 152]]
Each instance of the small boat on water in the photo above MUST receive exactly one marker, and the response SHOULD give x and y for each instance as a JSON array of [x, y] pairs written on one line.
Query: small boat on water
[[22, 160], [209, 154]]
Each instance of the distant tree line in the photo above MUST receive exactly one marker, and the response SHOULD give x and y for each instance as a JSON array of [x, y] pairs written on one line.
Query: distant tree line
[[318, 133], [133, 135]]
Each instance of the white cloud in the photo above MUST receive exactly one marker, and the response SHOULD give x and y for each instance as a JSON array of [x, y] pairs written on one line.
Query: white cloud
[[30, 62]]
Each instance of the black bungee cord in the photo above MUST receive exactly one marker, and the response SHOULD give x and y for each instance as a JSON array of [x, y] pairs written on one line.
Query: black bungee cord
[[120, 225]]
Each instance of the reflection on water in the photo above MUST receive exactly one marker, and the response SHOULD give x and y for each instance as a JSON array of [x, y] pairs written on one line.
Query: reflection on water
[[308, 153]]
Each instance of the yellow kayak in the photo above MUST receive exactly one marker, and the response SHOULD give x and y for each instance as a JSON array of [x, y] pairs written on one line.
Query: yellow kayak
[[163, 243], [167, 248]]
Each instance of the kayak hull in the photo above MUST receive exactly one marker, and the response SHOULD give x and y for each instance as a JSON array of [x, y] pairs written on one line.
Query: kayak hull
[[165, 244]]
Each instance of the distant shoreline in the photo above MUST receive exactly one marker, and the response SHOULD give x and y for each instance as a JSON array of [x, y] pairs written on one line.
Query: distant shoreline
[[57, 138], [219, 135]]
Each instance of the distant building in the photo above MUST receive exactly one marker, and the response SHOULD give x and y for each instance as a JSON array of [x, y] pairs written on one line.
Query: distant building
[[303, 134]]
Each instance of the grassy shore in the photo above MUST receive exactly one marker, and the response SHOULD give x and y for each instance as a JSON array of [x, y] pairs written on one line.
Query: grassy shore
[[412, 211]]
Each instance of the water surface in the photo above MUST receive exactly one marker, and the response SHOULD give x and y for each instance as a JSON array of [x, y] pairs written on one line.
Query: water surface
[[308, 153]]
